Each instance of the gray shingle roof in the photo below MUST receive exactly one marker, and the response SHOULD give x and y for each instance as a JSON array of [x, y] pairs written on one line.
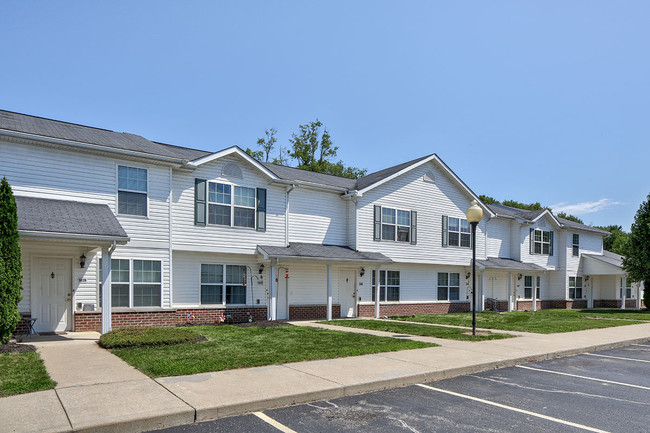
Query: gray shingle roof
[[70, 217], [528, 215], [608, 257], [508, 264], [318, 251], [377, 176], [291, 173], [85, 134]]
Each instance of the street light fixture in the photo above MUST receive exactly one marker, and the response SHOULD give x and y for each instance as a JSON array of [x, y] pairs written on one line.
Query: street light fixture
[[474, 214]]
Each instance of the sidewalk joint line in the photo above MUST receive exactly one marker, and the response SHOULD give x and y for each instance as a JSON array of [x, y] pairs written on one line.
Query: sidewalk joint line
[[617, 357], [63, 407], [267, 419], [583, 377], [172, 393], [515, 409]]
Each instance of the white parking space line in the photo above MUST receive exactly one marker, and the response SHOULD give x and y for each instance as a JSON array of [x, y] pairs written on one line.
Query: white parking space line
[[584, 377], [515, 409], [645, 346], [617, 357], [267, 419]]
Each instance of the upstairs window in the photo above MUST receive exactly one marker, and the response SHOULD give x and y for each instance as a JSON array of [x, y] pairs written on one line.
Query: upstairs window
[[131, 190], [456, 232], [541, 242], [395, 225], [575, 287], [576, 245], [448, 286], [228, 209]]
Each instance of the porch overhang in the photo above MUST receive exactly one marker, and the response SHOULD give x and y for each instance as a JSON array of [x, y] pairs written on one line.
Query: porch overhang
[[320, 252], [510, 265], [595, 264], [90, 224]]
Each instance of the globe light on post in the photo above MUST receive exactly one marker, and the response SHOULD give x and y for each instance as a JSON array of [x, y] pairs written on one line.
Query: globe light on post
[[474, 214]]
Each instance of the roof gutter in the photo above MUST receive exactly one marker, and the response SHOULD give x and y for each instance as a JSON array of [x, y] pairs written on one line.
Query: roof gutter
[[179, 163], [310, 184], [330, 259], [31, 234]]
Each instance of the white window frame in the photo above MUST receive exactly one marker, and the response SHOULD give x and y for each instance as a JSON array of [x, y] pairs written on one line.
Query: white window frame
[[231, 205], [541, 242], [460, 232], [531, 286], [118, 189], [385, 286], [396, 224], [575, 287], [448, 287], [575, 245], [131, 283], [224, 283]]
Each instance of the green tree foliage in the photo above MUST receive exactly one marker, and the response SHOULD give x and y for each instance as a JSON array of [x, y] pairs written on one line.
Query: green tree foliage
[[569, 217], [519, 205], [616, 242], [313, 150], [637, 252], [10, 263], [268, 143], [488, 200]]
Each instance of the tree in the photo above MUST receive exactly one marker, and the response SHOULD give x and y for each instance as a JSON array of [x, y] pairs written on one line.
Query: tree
[[267, 144], [10, 263], [569, 217], [313, 151], [488, 200], [637, 252]]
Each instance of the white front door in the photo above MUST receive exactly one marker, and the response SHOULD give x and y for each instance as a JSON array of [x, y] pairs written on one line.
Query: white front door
[[282, 304], [347, 293], [51, 293]]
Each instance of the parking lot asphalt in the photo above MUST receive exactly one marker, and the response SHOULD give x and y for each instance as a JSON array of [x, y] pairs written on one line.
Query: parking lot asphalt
[[607, 391]]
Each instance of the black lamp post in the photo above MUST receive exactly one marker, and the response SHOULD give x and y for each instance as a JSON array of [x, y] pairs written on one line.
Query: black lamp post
[[474, 214]]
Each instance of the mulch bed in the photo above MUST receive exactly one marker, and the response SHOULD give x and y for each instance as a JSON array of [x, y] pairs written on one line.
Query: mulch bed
[[17, 348]]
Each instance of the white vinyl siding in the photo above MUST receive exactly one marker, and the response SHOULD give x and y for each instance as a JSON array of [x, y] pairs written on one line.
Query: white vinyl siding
[[320, 217]]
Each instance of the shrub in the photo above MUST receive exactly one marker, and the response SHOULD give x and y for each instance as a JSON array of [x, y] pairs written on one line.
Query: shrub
[[10, 263], [148, 336]]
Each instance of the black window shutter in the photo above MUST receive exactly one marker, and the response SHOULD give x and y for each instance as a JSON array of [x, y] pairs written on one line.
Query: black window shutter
[[199, 201], [414, 227], [532, 241], [445, 230], [551, 247], [377, 229], [261, 210]]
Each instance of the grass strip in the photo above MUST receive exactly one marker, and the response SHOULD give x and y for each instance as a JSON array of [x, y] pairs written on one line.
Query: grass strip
[[413, 329], [229, 347], [21, 373], [541, 321], [148, 336]]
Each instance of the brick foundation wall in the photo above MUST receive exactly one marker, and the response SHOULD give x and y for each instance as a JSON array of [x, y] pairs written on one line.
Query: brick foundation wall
[[92, 321], [616, 303], [309, 312], [368, 310], [501, 306], [527, 305]]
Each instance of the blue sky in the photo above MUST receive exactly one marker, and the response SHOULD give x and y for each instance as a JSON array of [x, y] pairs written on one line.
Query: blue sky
[[533, 101]]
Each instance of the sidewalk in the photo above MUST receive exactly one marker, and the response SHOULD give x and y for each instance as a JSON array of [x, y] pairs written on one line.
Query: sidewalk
[[98, 392]]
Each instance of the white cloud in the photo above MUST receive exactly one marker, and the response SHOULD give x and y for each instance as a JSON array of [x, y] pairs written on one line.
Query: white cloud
[[584, 207]]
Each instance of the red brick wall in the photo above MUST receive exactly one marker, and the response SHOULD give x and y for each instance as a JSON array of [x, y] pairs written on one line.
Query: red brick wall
[[308, 312], [527, 305], [368, 310], [616, 303], [92, 321]]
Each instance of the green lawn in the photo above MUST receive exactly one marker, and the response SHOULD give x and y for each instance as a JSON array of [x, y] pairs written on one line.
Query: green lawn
[[542, 321], [228, 347], [412, 329], [21, 373]]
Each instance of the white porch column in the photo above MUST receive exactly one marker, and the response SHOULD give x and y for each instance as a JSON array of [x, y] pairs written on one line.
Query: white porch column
[[534, 294], [623, 286], [481, 306], [273, 301], [329, 292], [638, 296], [510, 291], [106, 290], [377, 292]]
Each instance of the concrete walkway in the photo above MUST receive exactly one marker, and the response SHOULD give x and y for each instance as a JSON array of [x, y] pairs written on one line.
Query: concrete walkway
[[99, 392]]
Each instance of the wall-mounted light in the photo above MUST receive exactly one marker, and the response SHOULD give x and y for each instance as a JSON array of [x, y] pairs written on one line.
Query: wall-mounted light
[[362, 272], [587, 278], [261, 270], [519, 277], [82, 261], [467, 275]]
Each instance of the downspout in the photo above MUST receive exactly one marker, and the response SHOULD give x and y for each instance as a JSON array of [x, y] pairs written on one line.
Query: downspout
[[286, 214], [356, 223], [171, 239]]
